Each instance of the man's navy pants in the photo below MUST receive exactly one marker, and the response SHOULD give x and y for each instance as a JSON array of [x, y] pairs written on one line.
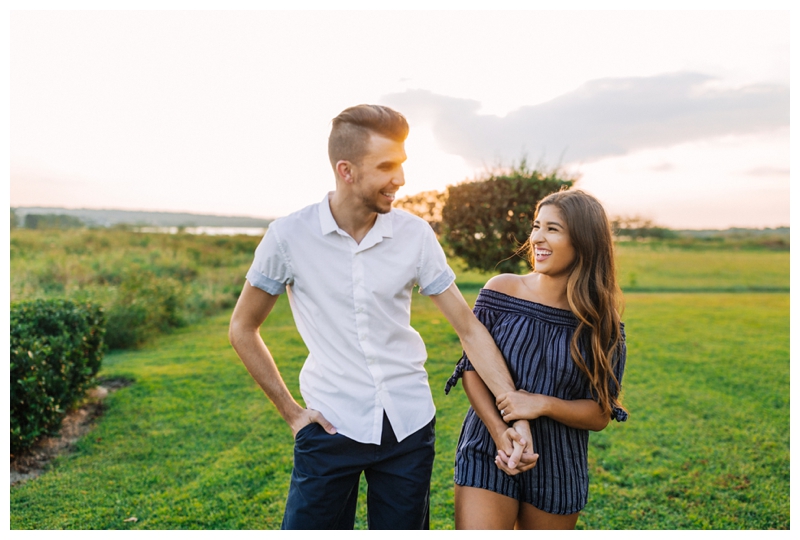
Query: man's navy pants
[[327, 469]]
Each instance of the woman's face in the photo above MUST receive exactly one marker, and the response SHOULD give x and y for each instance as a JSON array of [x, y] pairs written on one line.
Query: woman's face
[[553, 253]]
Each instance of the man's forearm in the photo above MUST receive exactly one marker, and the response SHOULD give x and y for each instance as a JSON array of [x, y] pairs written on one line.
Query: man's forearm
[[487, 360], [483, 402], [476, 341], [259, 363]]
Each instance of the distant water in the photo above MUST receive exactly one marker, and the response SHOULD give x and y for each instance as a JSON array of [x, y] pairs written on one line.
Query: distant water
[[211, 231]]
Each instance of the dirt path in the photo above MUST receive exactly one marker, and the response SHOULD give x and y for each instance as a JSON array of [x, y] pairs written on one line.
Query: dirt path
[[75, 425]]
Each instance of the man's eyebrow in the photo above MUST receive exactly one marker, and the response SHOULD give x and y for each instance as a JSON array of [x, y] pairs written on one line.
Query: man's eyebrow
[[388, 164]]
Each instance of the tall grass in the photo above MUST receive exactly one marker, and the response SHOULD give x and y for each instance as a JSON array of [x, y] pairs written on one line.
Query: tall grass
[[147, 283]]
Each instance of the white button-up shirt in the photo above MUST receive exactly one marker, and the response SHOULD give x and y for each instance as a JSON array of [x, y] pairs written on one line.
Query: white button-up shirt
[[352, 306]]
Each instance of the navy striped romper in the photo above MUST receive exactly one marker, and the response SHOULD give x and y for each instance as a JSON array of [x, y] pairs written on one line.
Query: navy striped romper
[[534, 339]]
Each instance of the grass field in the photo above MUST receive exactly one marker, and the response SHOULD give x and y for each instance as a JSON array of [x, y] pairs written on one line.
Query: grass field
[[659, 268], [195, 444], [644, 269]]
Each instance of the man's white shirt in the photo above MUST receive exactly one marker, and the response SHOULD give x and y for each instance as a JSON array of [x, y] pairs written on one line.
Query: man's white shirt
[[352, 306]]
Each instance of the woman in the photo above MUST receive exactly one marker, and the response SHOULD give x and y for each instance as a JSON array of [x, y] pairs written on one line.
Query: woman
[[559, 329]]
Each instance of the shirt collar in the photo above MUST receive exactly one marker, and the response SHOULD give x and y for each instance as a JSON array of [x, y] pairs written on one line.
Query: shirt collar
[[382, 227], [326, 221]]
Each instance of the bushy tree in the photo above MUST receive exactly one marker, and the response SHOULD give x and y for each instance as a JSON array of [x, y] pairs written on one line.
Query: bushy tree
[[637, 227], [428, 205], [486, 221]]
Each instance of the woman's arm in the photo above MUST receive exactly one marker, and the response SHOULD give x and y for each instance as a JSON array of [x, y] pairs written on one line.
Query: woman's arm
[[482, 401], [578, 413]]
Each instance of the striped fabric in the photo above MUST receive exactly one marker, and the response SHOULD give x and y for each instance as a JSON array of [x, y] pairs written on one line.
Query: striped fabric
[[534, 340]]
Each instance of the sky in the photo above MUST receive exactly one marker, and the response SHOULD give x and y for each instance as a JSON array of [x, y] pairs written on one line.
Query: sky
[[681, 117]]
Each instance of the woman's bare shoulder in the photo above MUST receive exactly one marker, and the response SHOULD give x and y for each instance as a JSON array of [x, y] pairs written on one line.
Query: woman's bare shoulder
[[505, 283]]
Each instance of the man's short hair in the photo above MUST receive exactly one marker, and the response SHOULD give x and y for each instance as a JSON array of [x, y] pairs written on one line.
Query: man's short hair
[[351, 130]]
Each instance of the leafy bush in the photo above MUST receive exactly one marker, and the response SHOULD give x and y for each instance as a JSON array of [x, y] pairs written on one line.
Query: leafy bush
[[145, 304], [486, 221], [56, 350]]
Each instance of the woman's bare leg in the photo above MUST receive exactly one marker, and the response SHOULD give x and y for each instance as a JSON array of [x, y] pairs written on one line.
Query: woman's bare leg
[[531, 518], [482, 509]]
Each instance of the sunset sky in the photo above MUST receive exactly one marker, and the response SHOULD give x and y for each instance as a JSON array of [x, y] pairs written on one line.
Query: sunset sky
[[677, 116]]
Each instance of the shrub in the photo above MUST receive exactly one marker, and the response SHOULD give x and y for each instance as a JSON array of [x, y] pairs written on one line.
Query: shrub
[[485, 222], [56, 350], [145, 304]]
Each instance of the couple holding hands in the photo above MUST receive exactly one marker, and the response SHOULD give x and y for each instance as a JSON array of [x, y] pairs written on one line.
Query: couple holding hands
[[544, 353]]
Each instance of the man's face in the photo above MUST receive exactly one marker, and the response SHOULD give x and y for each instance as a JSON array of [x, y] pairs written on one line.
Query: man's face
[[380, 174]]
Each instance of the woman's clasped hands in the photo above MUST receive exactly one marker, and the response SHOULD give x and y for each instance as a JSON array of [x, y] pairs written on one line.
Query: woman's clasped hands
[[515, 447]]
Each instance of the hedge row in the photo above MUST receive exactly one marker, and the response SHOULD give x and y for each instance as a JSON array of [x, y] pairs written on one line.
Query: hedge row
[[56, 350]]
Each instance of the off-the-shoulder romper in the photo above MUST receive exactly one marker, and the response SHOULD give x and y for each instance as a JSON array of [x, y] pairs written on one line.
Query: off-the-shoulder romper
[[535, 341]]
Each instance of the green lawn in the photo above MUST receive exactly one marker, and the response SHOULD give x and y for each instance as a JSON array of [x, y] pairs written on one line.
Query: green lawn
[[644, 268], [195, 444], [659, 268]]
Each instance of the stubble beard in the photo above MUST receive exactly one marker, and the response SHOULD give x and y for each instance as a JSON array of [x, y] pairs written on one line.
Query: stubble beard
[[370, 202], [373, 206]]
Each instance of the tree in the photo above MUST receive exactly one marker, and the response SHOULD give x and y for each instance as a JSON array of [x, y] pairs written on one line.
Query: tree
[[52, 221], [637, 227], [485, 222], [428, 205]]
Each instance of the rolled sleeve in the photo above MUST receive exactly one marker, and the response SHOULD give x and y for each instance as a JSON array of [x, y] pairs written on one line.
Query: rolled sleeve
[[271, 270], [434, 276], [440, 284], [271, 286]]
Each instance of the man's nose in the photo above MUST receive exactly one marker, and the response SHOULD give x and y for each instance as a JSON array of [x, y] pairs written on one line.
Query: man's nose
[[399, 179]]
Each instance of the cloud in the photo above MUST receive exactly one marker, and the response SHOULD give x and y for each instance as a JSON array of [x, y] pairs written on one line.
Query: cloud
[[663, 167], [604, 117], [767, 171]]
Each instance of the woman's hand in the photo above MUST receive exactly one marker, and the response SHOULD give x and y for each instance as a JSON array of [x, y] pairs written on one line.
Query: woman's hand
[[514, 449], [520, 405], [576, 413]]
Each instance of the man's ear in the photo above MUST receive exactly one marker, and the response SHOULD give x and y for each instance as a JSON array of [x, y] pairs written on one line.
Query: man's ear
[[344, 169]]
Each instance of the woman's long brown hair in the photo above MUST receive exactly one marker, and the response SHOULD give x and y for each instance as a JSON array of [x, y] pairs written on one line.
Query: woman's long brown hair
[[592, 292]]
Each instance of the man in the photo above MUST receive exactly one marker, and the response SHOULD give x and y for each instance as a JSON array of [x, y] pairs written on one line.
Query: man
[[349, 264]]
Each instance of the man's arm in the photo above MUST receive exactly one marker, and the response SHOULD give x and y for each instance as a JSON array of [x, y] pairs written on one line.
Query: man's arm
[[483, 403], [476, 341], [252, 309], [487, 360]]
